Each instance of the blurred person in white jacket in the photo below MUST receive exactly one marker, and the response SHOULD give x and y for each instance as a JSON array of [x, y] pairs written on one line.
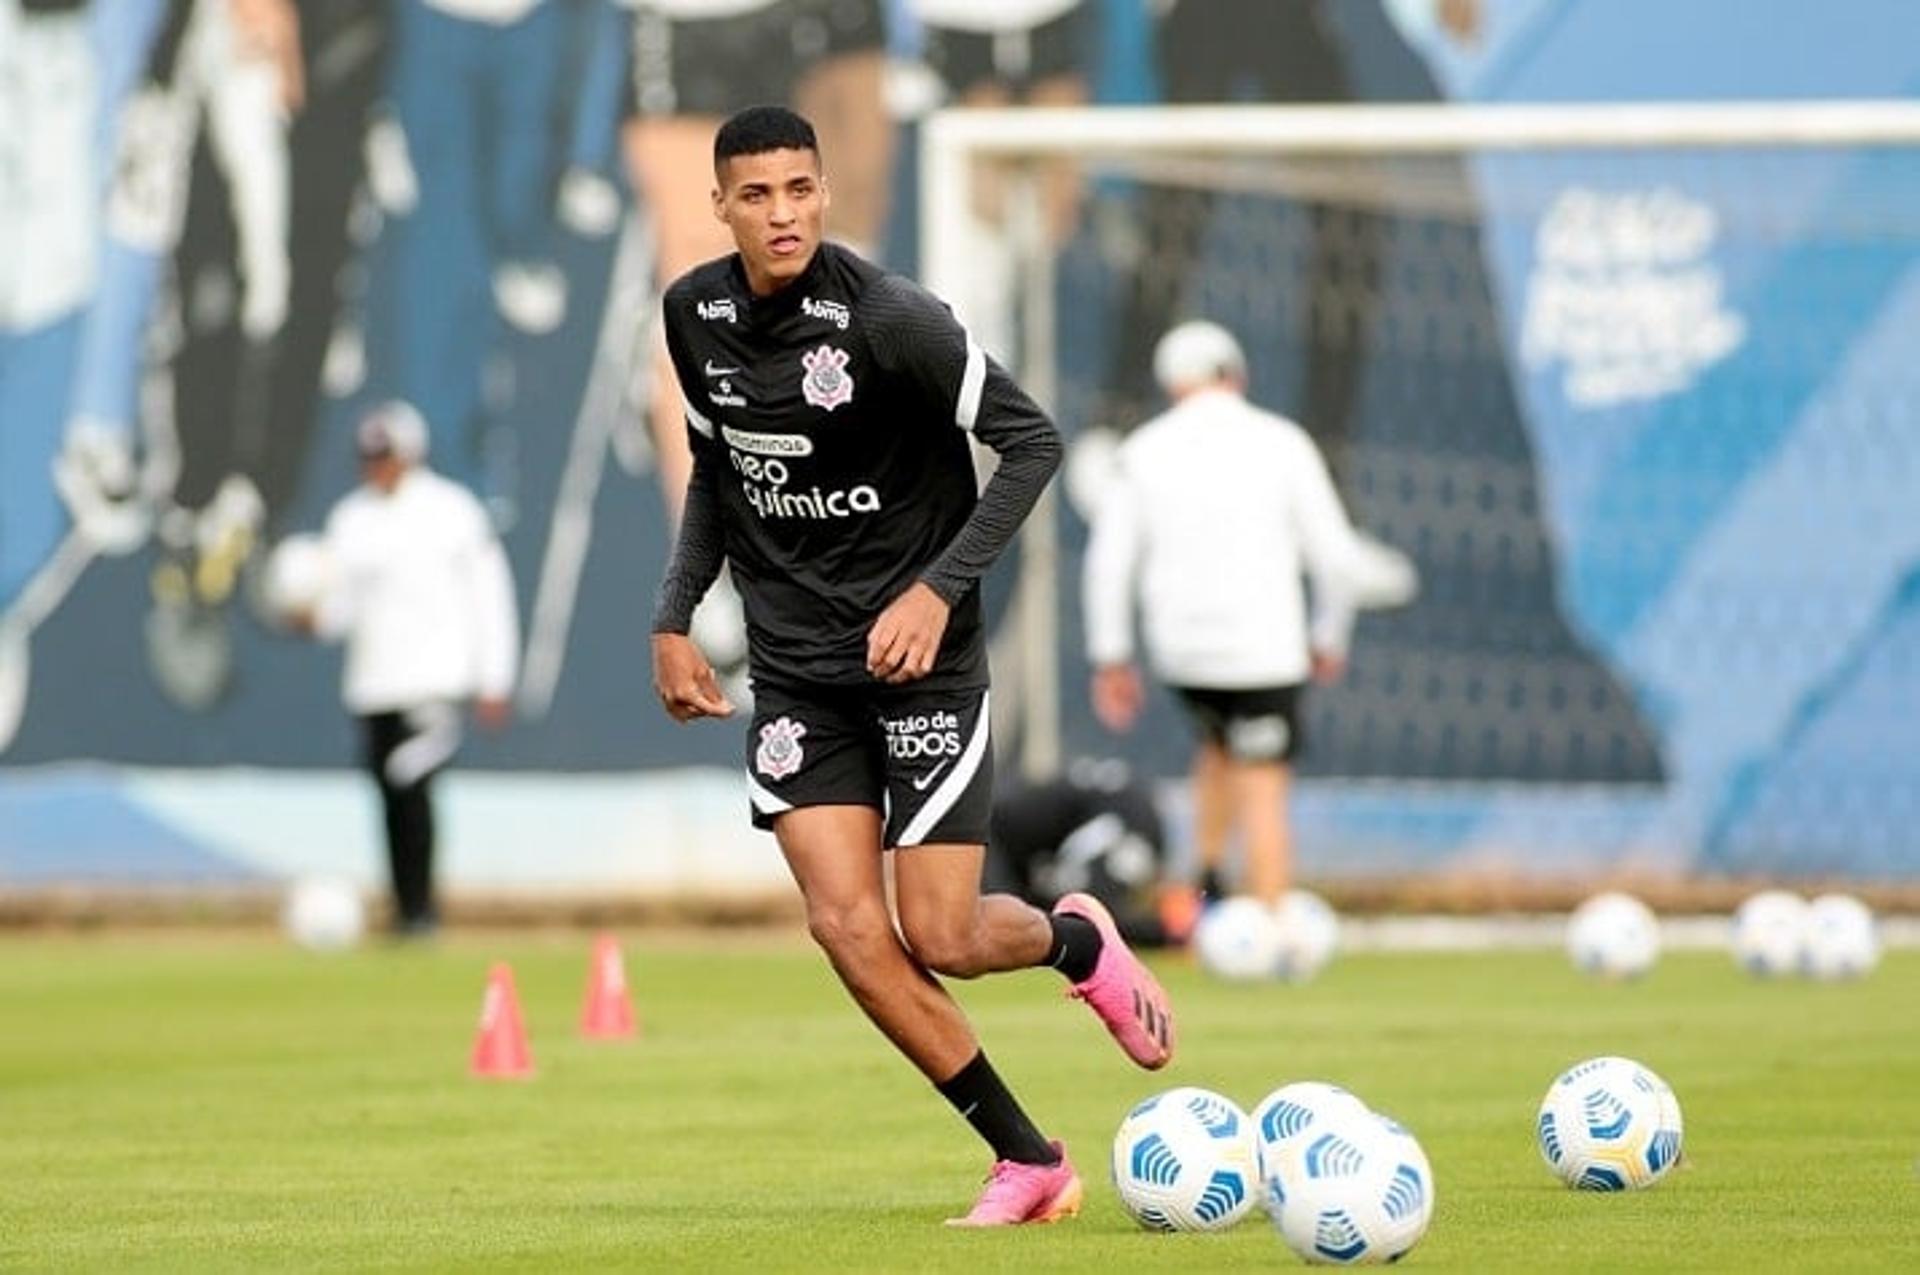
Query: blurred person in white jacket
[[421, 593], [1215, 512]]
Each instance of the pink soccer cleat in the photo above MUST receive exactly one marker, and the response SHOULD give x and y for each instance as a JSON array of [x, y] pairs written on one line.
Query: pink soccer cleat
[[1017, 1194], [1122, 991]]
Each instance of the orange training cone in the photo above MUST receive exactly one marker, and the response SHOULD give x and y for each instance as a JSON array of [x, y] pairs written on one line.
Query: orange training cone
[[500, 1050], [607, 1013]]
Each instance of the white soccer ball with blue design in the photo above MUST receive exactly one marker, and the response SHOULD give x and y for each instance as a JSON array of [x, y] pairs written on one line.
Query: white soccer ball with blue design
[[1294, 1114], [1770, 934], [1613, 935], [1841, 940], [1237, 939], [1184, 1160], [1610, 1124], [1309, 933], [1354, 1189]]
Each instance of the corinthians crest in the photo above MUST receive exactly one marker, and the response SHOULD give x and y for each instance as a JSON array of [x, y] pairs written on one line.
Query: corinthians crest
[[779, 754], [825, 382]]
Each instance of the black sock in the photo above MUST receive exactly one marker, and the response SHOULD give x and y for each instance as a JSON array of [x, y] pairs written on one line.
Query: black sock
[[1211, 884], [1076, 947], [981, 1097]]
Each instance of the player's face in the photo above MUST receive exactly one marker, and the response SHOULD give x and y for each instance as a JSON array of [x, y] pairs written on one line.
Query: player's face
[[382, 472], [775, 203]]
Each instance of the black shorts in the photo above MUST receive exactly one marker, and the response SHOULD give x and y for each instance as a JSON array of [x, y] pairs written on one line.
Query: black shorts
[[921, 757], [1259, 724], [965, 60], [716, 66]]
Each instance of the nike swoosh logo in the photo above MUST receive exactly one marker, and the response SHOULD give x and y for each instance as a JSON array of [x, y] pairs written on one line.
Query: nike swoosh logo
[[720, 371], [921, 784]]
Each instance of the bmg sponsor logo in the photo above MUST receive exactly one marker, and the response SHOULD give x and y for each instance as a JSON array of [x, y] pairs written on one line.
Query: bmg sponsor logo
[[828, 311], [922, 735], [721, 308]]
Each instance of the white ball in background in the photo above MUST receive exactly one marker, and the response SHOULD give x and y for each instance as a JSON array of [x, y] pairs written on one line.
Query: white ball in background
[[299, 574], [324, 914], [1841, 939], [1309, 933], [1613, 935], [1237, 939], [1770, 934], [1378, 576]]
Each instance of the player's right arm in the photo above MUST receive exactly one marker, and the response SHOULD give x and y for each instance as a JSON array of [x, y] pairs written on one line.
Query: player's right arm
[[681, 674]]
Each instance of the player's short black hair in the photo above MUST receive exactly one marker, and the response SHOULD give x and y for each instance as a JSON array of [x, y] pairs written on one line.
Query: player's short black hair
[[759, 129]]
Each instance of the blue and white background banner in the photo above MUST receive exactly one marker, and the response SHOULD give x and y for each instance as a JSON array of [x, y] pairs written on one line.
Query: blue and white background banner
[[1647, 422]]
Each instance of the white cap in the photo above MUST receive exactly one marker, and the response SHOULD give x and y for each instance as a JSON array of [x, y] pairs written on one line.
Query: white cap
[[394, 428], [1196, 353]]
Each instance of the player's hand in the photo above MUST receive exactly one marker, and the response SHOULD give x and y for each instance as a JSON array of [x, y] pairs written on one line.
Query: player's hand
[[905, 640], [1117, 696], [1328, 667], [684, 680], [493, 712]]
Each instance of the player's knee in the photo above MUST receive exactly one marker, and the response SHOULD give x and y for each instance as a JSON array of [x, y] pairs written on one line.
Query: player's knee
[[851, 930], [945, 948]]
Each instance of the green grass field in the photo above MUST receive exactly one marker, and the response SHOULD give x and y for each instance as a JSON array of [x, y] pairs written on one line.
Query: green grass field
[[202, 1103]]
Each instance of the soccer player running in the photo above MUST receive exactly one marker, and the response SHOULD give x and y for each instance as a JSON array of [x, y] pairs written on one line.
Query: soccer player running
[[1215, 511], [829, 406]]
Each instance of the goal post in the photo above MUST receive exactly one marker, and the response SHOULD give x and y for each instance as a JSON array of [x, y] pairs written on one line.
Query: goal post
[[953, 141], [1564, 343]]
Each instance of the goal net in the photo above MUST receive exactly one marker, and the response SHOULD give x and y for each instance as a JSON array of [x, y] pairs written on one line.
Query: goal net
[[1633, 386]]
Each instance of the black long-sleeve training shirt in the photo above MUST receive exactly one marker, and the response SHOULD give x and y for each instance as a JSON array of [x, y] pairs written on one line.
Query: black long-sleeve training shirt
[[829, 425]]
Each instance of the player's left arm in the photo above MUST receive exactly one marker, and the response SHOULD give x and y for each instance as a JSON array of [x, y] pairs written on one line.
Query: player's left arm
[[338, 607], [914, 335], [495, 620]]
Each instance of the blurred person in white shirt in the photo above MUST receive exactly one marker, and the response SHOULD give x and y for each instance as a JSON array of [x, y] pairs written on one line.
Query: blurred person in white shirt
[[1215, 512], [421, 593]]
